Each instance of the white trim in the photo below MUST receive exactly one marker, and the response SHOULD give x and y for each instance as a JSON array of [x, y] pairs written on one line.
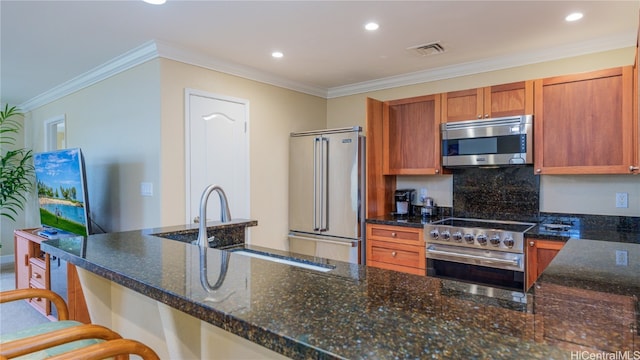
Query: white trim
[[487, 65], [126, 61], [172, 52], [48, 135], [154, 49], [6, 260]]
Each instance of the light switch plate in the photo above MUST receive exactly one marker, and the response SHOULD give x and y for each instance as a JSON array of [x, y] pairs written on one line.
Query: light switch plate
[[146, 189]]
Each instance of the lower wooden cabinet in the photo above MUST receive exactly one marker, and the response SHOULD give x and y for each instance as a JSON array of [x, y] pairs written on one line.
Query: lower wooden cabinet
[[33, 269], [539, 253], [396, 248]]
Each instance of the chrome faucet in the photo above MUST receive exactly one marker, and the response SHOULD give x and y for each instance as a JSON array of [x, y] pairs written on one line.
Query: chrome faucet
[[203, 239], [225, 214]]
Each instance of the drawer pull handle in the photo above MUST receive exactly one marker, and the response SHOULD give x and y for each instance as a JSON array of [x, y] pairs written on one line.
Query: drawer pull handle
[[26, 260], [393, 253], [393, 234], [37, 276]]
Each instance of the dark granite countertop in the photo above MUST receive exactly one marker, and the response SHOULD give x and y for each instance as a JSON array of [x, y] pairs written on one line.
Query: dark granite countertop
[[351, 312]]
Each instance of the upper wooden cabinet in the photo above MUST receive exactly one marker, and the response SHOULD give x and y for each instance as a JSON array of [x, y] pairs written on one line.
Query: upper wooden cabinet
[[584, 123], [411, 136], [488, 102]]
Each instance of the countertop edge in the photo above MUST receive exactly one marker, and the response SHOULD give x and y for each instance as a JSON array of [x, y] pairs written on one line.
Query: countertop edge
[[256, 334]]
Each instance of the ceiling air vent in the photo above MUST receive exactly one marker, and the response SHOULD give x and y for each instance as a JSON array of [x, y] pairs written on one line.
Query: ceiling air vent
[[427, 49]]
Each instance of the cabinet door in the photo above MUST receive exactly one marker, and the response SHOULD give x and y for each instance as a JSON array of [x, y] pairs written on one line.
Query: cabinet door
[[488, 102], [462, 105], [584, 123], [508, 99], [539, 254], [411, 140], [23, 252]]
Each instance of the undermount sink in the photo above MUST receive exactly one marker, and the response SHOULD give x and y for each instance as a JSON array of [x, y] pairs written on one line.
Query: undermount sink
[[283, 260]]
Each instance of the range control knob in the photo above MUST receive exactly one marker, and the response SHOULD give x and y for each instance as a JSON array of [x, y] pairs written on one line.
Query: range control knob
[[446, 235], [469, 238], [434, 233], [457, 236], [508, 242], [495, 240], [482, 239]]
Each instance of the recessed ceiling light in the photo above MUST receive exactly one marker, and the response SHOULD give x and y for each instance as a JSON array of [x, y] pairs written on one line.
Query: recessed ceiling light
[[371, 26], [155, 2], [277, 54], [574, 16]]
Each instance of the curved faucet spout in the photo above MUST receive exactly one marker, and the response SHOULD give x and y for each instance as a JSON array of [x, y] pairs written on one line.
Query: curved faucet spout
[[225, 214]]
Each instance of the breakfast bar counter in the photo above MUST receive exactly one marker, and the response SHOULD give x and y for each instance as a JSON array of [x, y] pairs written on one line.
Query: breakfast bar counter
[[347, 312]]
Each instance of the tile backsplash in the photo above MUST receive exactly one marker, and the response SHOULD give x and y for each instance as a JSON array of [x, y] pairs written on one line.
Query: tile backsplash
[[504, 193]]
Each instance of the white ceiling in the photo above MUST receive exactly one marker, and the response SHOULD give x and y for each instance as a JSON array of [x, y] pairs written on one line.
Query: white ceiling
[[326, 50]]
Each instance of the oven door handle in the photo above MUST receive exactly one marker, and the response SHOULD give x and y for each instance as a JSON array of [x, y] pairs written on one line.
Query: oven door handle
[[514, 262]]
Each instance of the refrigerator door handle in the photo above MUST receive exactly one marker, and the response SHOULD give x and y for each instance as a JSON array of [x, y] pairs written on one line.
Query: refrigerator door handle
[[350, 243], [316, 174], [324, 193]]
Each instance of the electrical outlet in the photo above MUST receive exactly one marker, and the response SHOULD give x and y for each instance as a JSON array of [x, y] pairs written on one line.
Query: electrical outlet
[[622, 200], [622, 258]]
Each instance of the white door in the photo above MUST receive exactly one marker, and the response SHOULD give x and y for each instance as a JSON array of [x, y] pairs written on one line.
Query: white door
[[217, 151]]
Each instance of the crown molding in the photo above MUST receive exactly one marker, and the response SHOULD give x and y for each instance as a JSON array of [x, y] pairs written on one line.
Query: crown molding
[[154, 49], [190, 57], [131, 58], [487, 65]]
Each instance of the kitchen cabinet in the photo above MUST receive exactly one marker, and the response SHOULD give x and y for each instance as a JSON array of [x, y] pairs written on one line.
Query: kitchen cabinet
[[596, 321], [33, 269], [411, 136], [584, 123], [488, 102], [539, 253], [396, 248], [379, 187]]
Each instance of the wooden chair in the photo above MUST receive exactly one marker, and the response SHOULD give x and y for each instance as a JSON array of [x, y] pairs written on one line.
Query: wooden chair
[[65, 339]]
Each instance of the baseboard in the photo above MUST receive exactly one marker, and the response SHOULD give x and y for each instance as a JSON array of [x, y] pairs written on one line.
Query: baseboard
[[7, 262]]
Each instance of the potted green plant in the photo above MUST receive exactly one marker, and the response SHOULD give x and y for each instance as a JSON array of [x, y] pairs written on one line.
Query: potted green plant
[[16, 166]]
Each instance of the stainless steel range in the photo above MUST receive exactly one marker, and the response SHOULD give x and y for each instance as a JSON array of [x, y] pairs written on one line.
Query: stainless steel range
[[480, 251]]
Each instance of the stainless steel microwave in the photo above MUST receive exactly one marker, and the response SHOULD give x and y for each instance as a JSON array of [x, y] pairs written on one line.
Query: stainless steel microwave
[[488, 142]]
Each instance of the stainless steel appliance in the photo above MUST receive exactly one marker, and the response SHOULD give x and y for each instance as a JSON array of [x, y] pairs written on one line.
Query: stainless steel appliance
[[326, 194], [403, 200], [499, 141], [484, 252]]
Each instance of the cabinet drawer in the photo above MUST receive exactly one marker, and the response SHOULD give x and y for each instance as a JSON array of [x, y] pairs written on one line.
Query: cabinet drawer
[[398, 254], [403, 235], [41, 304], [38, 273]]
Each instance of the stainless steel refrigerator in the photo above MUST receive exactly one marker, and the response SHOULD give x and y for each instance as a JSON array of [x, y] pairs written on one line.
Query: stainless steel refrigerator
[[326, 194]]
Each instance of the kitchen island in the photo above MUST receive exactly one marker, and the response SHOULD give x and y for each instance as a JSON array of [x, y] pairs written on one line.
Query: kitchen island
[[348, 312]]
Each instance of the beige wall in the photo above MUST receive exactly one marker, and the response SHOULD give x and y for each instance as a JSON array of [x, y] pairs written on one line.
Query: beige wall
[[274, 112], [131, 130], [564, 194], [115, 123]]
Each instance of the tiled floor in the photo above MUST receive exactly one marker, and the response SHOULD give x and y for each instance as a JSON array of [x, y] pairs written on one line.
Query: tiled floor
[[15, 315]]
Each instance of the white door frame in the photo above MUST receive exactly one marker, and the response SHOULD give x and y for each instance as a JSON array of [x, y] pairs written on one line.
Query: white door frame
[[187, 121]]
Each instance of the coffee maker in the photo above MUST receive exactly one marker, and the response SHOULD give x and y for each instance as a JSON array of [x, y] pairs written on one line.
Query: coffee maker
[[404, 199]]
